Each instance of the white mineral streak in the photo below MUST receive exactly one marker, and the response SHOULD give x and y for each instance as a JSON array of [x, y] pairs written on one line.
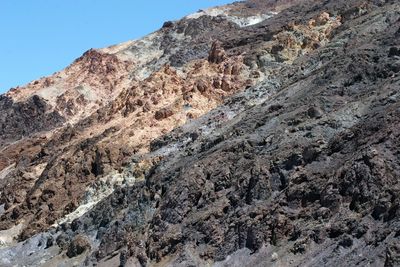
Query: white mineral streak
[[224, 12]]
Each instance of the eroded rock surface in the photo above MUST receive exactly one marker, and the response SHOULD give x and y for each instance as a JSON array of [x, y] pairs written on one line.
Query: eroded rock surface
[[262, 133]]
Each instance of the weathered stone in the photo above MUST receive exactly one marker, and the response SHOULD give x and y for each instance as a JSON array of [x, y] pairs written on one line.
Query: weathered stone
[[78, 246]]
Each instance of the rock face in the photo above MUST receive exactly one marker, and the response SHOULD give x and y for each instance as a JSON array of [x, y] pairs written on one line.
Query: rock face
[[261, 133], [19, 119]]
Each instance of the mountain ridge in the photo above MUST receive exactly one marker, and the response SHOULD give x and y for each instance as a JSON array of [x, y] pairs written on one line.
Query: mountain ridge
[[213, 141]]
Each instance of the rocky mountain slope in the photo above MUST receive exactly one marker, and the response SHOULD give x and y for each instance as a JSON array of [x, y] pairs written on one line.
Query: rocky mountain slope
[[261, 133]]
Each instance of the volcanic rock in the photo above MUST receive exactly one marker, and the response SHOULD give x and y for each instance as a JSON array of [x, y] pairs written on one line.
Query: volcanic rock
[[260, 133]]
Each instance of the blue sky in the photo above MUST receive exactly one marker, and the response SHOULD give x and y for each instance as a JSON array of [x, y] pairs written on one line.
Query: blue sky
[[40, 37]]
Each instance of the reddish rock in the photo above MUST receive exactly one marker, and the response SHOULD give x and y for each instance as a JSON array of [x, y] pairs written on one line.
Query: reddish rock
[[163, 114], [217, 53]]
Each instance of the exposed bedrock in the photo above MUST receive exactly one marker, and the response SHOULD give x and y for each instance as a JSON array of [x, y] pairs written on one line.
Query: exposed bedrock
[[262, 133]]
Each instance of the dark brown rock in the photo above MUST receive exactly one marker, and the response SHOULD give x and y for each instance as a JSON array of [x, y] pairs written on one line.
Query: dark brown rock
[[78, 246], [217, 53], [163, 114]]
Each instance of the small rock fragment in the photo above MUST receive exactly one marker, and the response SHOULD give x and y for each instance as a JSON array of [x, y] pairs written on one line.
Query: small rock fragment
[[79, 245]]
